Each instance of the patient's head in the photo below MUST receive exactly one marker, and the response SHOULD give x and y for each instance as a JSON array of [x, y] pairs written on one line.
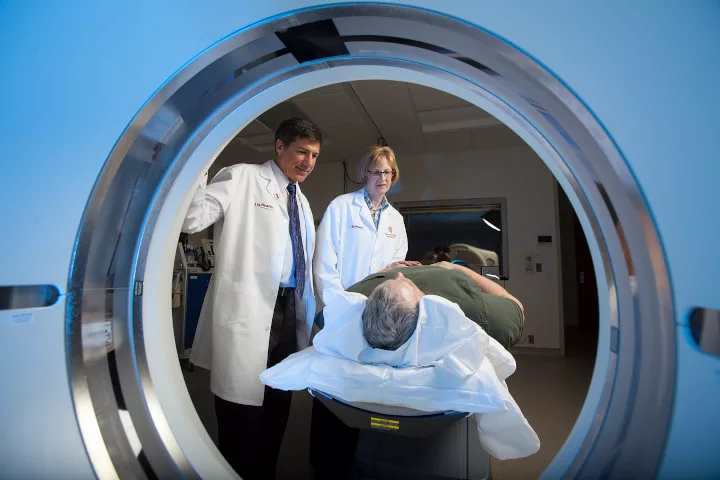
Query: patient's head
[[391, 313]]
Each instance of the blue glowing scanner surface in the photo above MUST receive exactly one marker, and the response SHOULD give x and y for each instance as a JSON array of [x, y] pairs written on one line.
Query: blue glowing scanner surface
[[77, 74]]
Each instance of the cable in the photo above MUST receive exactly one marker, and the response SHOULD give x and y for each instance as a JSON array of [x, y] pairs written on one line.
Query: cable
[[348, 176], [351, 90]]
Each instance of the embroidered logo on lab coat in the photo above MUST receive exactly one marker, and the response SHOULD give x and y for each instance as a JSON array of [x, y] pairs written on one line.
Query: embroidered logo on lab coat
[[264, 206], [358, 227], [389, 233]]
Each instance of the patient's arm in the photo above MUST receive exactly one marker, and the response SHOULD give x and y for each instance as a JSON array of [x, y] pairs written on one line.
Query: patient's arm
[[485, 284]]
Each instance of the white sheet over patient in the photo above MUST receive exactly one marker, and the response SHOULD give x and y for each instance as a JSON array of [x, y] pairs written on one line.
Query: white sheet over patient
[[449, 363]]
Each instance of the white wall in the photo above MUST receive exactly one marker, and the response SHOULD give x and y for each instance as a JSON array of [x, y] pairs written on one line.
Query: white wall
[[514, 173]]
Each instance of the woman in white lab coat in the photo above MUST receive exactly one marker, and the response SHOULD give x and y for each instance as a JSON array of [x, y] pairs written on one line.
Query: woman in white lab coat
[[361, 232]]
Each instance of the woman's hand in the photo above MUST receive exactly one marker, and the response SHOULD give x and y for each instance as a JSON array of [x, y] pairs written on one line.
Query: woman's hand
[[405, 263]]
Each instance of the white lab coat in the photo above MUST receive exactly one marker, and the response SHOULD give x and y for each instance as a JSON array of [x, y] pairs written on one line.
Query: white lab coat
[[349, 247], [251, 236]]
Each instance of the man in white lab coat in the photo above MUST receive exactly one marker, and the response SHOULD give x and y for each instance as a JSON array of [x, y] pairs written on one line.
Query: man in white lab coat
[[264, 240]]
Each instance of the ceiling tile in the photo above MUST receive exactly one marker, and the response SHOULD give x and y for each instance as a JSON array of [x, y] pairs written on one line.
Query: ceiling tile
[[348, 132], [238, 152], [280, 112], [367, 84], [457, 118], [319, 92], [389, 98], [449, 141], [495, 137], [398, 125], [337, 152], [328, 108], [426, 98], [354, 132], [255, 128], [263, 142]]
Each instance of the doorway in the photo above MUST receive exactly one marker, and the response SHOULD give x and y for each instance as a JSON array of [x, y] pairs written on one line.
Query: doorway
[[581, 315]]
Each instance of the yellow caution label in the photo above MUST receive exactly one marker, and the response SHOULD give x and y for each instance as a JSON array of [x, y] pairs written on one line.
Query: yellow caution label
[[384, 423]]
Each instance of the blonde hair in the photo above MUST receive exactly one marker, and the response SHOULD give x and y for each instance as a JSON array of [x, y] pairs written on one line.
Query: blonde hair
[[372, 157]]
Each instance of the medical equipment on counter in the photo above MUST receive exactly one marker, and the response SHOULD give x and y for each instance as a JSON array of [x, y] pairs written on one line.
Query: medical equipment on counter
[[473, 255], [191, 254], [209, 251], [188, 294], [179, 298], [178, 289]]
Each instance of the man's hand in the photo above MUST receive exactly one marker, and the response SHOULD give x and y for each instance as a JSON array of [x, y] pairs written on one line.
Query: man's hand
[[405, 263]]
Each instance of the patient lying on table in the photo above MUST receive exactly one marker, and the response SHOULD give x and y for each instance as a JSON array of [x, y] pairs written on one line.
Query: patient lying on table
[[403, 347], [481, 300]]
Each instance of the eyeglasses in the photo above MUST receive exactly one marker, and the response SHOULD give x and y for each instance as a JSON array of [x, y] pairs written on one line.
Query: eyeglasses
[[377, 173]]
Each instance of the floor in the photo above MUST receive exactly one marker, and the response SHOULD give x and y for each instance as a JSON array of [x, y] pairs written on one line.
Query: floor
[[549, 389]]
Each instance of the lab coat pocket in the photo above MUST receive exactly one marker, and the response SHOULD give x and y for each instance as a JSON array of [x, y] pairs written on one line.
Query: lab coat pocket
[[389, 247], [234, 305]]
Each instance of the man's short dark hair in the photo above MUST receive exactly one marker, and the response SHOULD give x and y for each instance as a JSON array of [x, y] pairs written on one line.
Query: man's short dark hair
[[297, 127], [388, 321]]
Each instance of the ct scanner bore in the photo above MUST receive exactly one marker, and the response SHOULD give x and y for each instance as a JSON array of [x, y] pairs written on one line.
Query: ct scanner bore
[[652, 388]]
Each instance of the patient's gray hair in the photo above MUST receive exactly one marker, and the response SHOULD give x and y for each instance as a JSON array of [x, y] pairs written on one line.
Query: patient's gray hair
[[388, 322]]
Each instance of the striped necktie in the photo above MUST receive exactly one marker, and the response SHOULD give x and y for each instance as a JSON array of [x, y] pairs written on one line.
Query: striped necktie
[[296, 237]]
